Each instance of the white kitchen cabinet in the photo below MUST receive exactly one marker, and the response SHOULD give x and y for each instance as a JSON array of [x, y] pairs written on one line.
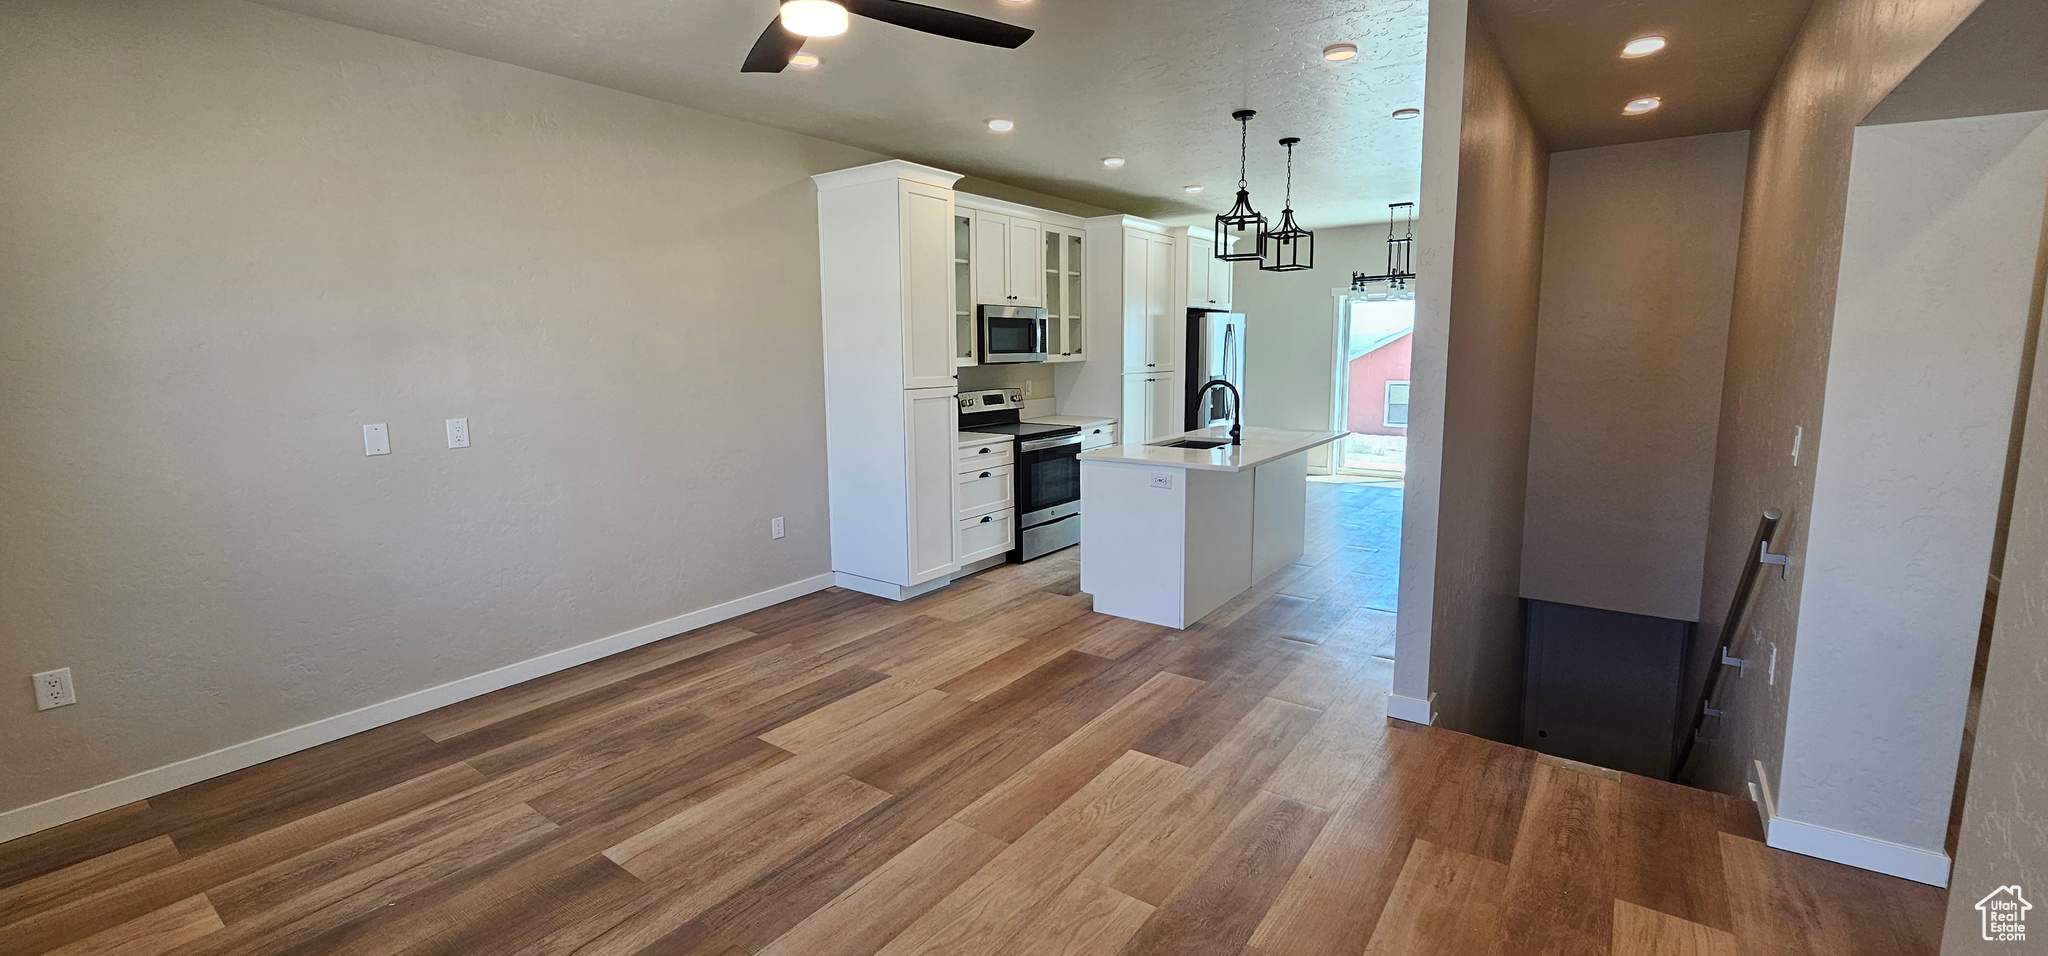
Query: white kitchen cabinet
[[1152, 406], [1209, 278], [990, 489], [964, 331], [1151, 335], [887, 244], [931, 418], [987, 536], [1007, 259], [1065, 294]]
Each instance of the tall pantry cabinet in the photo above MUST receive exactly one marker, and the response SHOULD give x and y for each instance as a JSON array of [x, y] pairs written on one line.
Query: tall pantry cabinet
[[886, 257], [1137, 323]]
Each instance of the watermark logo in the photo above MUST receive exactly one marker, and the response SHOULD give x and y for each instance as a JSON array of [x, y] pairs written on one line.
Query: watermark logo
[[2005, 915]]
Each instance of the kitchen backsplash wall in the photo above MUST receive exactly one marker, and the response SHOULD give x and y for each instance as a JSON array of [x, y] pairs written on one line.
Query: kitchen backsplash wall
[[1034, 378]]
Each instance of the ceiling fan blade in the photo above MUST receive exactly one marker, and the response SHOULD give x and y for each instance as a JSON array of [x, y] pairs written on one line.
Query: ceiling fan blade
[[945, 23], [772, 52]]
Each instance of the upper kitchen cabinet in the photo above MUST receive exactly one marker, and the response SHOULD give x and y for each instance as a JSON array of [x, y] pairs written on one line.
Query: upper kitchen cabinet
[[1209, 278], [887, 251], [1151, 333], [963, 286], [1007, 259], [1131, 287], [1065, 261]]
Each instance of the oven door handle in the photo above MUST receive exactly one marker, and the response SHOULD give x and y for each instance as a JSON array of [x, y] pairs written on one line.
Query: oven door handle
[[1045, 443]]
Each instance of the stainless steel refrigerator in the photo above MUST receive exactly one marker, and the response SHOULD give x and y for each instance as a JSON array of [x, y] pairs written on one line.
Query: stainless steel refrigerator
[[1215, 350]]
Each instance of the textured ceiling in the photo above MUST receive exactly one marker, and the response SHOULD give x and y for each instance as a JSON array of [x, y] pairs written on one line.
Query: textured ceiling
[[1150, 80], [1565, 57], [1996, 62]]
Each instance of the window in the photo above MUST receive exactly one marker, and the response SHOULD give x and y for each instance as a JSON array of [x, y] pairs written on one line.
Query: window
[[1397, 405]]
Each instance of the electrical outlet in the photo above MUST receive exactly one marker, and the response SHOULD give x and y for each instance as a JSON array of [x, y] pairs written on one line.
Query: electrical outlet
[[376, 440], [1771, 676], [1028, 386], [1798, 433], [1162, 481], [775, 528], [458, 433], [53, 689]]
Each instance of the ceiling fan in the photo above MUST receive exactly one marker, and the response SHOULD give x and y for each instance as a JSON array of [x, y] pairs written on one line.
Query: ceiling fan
[[801, 19]]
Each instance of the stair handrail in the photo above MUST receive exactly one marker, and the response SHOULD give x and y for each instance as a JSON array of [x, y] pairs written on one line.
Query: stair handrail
[[1731, 627]]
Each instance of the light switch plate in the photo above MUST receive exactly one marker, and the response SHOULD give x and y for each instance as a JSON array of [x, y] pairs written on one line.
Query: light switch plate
[[458, 433], [376, 440]]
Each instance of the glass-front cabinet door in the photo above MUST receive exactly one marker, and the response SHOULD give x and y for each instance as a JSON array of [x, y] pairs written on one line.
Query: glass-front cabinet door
[[963, 288], [1063, 295]]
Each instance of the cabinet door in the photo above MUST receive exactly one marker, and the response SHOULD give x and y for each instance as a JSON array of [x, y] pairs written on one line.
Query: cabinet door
[[1164, 415], [1137, 406], [1077, 317], [963, 287], [1137, 353], [1201, 252], [991, 258], [928, 327], [929, 416], [1027, 262], [1221, 277], [1161, 340]]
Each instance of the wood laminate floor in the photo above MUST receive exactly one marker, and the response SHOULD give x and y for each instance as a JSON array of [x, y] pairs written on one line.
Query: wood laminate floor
[[989, 769]]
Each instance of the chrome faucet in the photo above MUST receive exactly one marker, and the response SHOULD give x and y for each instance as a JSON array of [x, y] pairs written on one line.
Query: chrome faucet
[[1236, 408]]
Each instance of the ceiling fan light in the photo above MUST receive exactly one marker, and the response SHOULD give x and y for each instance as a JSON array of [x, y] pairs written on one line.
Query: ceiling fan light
[[813, 18]]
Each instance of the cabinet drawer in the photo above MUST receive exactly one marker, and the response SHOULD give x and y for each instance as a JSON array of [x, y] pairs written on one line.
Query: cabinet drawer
[[986, 536], [982, 457], [989, 489], [1098, 436]]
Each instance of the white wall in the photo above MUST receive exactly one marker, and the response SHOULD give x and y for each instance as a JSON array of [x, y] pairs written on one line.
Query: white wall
[[1938, 257], [231, 235], [1474, 360], [1638, 269]]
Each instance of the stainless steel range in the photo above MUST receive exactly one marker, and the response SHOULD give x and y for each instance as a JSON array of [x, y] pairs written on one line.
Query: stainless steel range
[[1047, 471]]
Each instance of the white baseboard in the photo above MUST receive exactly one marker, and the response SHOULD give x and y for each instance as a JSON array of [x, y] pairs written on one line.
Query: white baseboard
[[1867, 853], [22, 821], [885, 589], [1412, 710]]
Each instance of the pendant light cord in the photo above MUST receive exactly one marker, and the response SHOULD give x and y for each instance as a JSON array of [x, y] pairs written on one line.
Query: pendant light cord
[[1244, 135], [1289, 201]]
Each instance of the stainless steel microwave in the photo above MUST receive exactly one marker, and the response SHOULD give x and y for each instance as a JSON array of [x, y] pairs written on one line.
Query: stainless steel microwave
[[1012, 333]]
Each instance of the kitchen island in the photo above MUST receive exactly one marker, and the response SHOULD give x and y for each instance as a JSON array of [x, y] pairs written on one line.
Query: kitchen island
[[1169, 532]]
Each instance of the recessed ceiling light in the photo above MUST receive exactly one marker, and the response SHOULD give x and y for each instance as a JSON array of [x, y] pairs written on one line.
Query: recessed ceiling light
[[1112, 162], [1641, 46], [1641, 105], [804, 61], [813, 18], [1407, 113], [1000, 126], [1340, 52], [1192, 189]]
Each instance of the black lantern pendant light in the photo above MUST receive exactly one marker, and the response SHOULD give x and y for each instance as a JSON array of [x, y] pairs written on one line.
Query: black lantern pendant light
[[1241, 218], [1289, 248], [1400, 252]]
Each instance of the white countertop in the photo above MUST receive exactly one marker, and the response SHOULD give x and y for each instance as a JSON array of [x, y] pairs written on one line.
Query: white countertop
[[980, 438], [1261, 445]]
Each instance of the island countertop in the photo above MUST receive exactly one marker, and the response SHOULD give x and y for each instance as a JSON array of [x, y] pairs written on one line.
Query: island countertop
[[1261, 445]]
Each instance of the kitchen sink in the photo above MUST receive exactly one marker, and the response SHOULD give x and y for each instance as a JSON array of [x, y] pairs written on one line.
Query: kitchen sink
[[1192, 443]]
